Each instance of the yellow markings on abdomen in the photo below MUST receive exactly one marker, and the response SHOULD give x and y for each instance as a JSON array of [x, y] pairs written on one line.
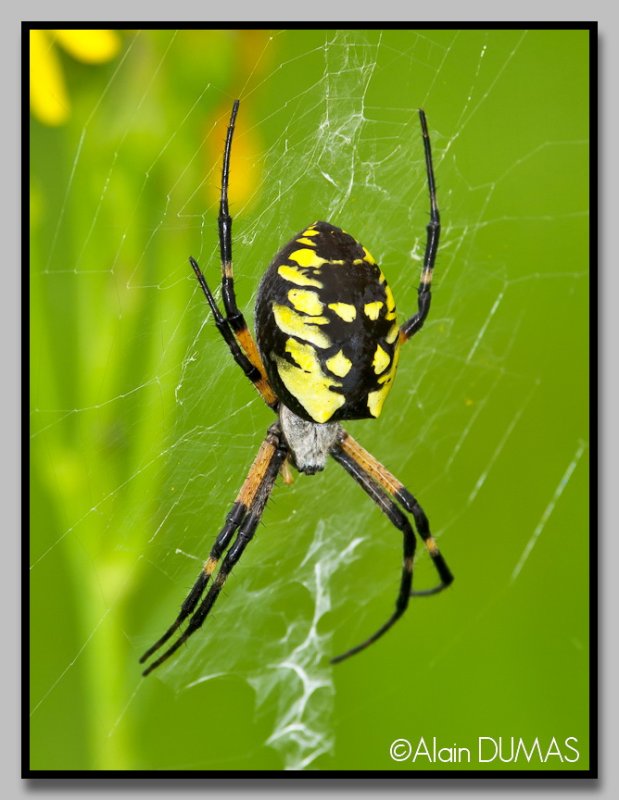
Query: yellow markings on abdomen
[[377, 398], [310, 258], [390, 303], [294, 275], [392, 334], [344, 310], [306, 301], [389, 376], [304, 240], [303, 354], [381, 360], [372, 310], [308, 383], [368, 256], [288, 321], [307, 258], [339, 364]]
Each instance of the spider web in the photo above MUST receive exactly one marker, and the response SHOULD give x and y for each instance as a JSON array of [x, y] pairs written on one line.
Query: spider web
[[322, 572]]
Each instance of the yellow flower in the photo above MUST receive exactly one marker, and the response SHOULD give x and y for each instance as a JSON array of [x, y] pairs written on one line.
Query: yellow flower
[[49, 100]]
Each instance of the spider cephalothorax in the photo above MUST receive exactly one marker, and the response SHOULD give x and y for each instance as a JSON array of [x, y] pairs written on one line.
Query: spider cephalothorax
[[309, 442], [327, 349]]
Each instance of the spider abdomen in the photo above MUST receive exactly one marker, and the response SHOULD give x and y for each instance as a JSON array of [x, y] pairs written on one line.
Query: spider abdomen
[[326, 327]]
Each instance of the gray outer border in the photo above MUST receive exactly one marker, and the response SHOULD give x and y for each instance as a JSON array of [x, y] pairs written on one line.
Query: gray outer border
[[483, 10]]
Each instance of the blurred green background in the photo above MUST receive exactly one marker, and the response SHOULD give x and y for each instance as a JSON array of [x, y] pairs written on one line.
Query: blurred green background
[[143, 428]]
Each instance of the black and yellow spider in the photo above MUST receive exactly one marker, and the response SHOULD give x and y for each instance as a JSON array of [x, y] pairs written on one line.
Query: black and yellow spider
[[327, 349]]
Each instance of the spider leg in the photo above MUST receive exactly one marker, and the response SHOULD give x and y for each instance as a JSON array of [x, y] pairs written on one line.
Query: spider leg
[[399, 520], [234, 315], [233, 520], [400, 494], [244, 517], [414, 324], [378, 483], [255, 375]]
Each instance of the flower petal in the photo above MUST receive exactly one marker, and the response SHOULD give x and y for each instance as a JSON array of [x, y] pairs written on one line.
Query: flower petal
[[48, 96], [91, 47]]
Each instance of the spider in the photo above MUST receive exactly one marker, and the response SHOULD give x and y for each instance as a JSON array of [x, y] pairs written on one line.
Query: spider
[[326, 349]]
